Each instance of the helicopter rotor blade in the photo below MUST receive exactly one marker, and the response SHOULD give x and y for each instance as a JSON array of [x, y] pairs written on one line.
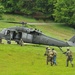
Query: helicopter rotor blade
[[18, 22], [29, 23], [33, 23]]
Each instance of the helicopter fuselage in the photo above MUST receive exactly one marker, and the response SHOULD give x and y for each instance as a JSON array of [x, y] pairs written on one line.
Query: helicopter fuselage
[[35, 38], [29, 35]]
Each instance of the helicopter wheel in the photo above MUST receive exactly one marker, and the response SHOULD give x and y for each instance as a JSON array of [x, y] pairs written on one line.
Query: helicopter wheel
[[9, 42]]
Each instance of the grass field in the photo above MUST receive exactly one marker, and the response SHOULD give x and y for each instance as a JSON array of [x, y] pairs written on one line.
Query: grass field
[[29, 59]]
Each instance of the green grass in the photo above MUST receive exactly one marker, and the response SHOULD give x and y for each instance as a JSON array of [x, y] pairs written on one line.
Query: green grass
[[30, 59]]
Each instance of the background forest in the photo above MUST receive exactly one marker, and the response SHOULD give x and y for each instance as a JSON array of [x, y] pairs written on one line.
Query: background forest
[[61, 11]]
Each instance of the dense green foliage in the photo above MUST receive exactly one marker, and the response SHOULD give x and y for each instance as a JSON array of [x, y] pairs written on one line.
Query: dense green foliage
[[65, 11], [43, 8], [1, 10], [58, 10]]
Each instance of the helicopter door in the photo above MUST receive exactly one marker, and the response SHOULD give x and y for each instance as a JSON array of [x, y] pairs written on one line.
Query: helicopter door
[[27, 37], [17, 36], [14, 34]]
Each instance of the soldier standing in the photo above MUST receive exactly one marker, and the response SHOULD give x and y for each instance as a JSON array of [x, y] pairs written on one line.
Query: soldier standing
[[49, 54], [69, 57], [46, 54], [54, 57], [21, 42]]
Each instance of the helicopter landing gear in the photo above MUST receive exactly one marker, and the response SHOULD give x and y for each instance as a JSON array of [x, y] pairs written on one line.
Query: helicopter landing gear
[[19, 42], [8, 42]]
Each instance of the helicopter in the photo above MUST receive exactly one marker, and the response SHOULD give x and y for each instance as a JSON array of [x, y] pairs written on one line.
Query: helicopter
[[22, 34]]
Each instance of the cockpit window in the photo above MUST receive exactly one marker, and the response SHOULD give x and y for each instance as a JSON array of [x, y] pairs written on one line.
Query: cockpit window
[[4, 30]]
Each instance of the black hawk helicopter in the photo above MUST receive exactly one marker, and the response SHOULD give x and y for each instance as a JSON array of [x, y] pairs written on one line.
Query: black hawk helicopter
[[22, 34]]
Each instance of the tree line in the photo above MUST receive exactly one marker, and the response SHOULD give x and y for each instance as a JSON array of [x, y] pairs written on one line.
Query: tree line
[[62, 11]]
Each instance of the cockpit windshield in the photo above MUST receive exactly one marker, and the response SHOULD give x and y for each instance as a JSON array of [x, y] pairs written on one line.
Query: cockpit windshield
[[3, 31]]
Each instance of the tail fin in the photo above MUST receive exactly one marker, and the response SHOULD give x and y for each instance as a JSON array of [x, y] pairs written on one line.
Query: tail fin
[[72, 39], [71, 42]]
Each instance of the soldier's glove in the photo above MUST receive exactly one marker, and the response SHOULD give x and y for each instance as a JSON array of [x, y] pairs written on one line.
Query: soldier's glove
[[44, 54]]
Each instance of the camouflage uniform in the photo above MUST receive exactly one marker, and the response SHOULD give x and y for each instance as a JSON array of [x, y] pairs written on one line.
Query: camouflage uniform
[[46, 54], [21, 42], [49, 55], [69, 57]]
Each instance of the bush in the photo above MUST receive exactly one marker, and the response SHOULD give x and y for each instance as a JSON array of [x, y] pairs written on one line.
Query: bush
[[1, 11]]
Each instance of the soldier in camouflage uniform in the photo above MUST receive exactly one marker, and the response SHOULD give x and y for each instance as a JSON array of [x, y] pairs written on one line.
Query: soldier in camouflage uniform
[[49, 55], [69, 57], [21, 42], [46, 54]]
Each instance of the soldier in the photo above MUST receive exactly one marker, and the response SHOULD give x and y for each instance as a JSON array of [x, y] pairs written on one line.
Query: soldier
[[46, 54], [69, 57], [54, 57], [21, 42], [49, 55]]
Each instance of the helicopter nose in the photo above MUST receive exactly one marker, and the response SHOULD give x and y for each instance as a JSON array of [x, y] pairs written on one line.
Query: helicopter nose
[[1, 35]]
